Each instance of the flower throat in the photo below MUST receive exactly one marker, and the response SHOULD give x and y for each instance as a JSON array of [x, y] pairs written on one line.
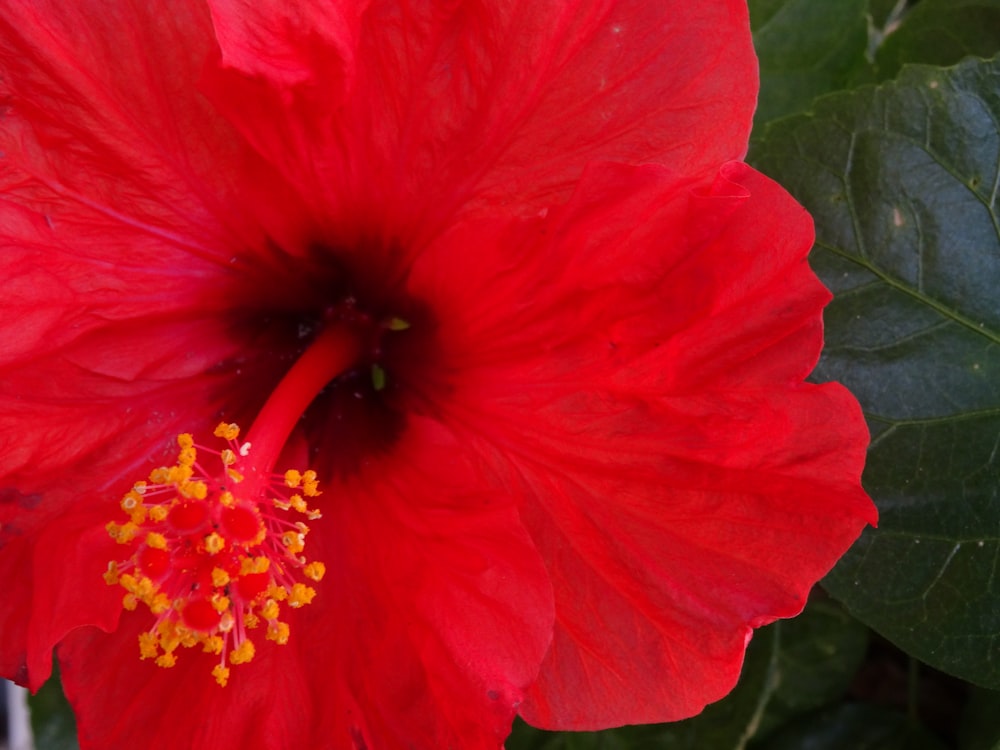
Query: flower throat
[[216, 547]]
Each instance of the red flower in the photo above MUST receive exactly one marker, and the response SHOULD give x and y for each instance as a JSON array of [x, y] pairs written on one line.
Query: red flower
[[488, 268]]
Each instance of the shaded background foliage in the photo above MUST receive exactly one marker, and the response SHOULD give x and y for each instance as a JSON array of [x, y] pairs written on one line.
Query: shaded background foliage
[[875, 117]]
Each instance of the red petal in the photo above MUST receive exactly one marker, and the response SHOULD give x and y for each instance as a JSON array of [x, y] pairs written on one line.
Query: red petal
[[288, 44], [52, 564], [429, 626], [500, 103], [122, 188], [710, 524], [640, 367]]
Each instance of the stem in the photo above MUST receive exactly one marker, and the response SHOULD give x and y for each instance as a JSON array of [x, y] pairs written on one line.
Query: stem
[[332, 353]]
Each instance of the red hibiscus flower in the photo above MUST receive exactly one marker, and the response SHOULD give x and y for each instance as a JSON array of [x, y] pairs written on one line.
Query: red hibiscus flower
[[489, 269]]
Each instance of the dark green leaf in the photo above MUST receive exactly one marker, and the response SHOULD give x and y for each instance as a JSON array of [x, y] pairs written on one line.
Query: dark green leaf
[[941, 32], [903, 182], [882, 11], [980, 728], [52, 719], [806, 48], [854, 727], [821, 650]]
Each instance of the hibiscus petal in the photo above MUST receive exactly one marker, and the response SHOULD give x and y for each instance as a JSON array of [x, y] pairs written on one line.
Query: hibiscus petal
[[289, 44], [113, 162], [433, 591], [644, 399], [466, 103]]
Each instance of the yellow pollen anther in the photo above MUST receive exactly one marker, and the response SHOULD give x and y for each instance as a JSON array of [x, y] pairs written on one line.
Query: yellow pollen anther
[[254, 565], [147, 646], [221, 674], [278, 633], [243, 653], [295, 542], [124, 533], [219, 577], [315, 571], [196, 490], [214, 544], [213, 645], [111, 576], [227, 431], [271, 610], [301, 595], [310, 485], [159, 604], [211, 556]]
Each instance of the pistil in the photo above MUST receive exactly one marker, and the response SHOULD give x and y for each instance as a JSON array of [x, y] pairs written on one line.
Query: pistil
[[332, 353], [217, 546]]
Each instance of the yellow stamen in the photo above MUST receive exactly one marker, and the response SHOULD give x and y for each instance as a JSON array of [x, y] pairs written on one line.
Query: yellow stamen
[[271, 610], [278, 633], [315, 571], [301, 595], [227, 431], [221, 674], [147, 646], [214, 544], [219, 577], [256, 559], [243, 653]]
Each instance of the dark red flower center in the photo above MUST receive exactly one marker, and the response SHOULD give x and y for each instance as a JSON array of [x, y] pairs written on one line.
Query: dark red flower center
[[361, 411]]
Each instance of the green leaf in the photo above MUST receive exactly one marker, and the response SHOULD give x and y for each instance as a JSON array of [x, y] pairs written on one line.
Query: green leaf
[[902, 182], [854, 726], [791, 667], [52, 719], [941, 32], [881, 11], [821, 651], [806, 48]]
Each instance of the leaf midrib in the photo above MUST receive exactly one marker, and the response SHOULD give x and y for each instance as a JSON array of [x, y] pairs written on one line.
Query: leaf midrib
[[895, 283]]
